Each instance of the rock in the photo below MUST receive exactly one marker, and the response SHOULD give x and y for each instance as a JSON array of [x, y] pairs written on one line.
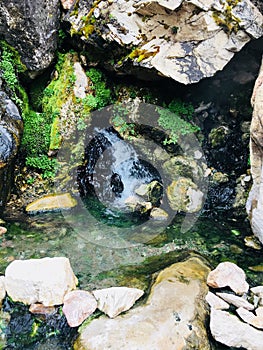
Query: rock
[[11, 128], [32, 29], [151, 192], [78, 305], [3, 230], [216, 302], [40, 309], [168, 320], [229, 330], [258, 292], [134, 204], [4, 321], [254, 204], [252, 242], [236, 301], [228, 274], [43, 281], [115, 300], [51, 202], [2, 289], [67, 4], [184, 40], [183, 195], [249, 317], [159, 214]]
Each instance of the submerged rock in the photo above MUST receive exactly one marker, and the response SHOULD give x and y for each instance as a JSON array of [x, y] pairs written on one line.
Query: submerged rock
[[51, 202], [44, 280], [172, 318], [184, 40]]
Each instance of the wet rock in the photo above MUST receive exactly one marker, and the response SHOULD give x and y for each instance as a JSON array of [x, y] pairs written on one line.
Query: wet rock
[[11, 128], [31, 27], [51, 202], [229, 330], [2, 289], [3, 230], [4, 321], [251, 318], [115, 300], [168, 320], [159, 214], [78, 305], [255, 200], [252, 242], [151, 192], [44, 280], [184, 40], [184, 195], [236, 301], [228, 274], [216, 302]]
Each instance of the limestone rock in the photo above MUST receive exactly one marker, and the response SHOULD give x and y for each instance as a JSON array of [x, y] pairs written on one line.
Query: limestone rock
[[172, 318], [78, 305], [44, 280], [216, 302], [51, 203], [40, 309], [159, 214], [236, 301], [31, 27], [2, 289], [251, 318], [255, 200], [228, 274], [229, 330], [186, 40], [115, 300]]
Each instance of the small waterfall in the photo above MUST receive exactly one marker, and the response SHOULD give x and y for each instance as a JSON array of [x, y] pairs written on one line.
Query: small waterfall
[[113, 170]]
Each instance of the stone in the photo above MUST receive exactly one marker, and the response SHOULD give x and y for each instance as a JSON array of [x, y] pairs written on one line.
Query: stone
[[173, 316], [78, 305], [184, 196], [258, 291], [43, 281], [51, 202], [181, 39], [151, 192], [236, 301], [2, 289], [159, 214], [67, 4], [81, 83], [254, 204], [115, 300], [229, 330], [249, 317], [215, 302], [228, 274], [32, 28], [40, 309], [3, 230]]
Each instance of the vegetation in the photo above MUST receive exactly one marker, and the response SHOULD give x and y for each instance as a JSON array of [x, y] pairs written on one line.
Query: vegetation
[[226, 19], [102, 95]]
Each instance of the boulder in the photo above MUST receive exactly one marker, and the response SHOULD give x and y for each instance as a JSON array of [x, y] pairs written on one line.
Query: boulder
[[44, 280], [32, 28], [11, 127], [229, 330], [115, 300], [172, 318], [216, 302], [51, 202], [254, 204], [186, 40], [2, 289], [78, 305], [249, 317], [228, 274]]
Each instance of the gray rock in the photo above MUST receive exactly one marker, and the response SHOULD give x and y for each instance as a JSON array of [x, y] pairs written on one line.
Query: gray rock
[[31, 27]]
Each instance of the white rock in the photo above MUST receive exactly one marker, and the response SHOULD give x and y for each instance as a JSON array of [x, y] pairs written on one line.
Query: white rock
[[249, 317], [228, 274], [236, 301], [257, 290], [115, 300], [78, 305], [44, 280], [81, 84], [229, 330], [2, 288], [216, 302]]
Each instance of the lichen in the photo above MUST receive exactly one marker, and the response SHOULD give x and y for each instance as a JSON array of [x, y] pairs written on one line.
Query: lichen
[[226, 19]]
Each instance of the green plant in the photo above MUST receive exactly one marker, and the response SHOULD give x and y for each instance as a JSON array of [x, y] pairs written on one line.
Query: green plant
[[225, 18], [171, 121], [102, 95], [48, 165], [119, 121]]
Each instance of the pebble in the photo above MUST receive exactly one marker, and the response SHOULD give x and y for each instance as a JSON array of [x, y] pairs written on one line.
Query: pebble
[[3, 230]]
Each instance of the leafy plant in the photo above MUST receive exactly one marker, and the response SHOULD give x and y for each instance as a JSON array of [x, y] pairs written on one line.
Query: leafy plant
[[102, 95], [43, 162]]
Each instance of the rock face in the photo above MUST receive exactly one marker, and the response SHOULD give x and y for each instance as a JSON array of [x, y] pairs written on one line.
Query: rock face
[[168, 320], [11, 127], [44, 280], [186, 40], [255, 200], [31, 27]]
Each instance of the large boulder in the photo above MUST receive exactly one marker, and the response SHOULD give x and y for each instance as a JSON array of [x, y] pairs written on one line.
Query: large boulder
[[172, 318], [187, 40], [11, 127], [255, 200], [31, 27]]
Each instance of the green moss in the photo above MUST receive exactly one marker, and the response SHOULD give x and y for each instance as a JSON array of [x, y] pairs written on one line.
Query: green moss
[[55, 135], [226, 19], [102, 95]]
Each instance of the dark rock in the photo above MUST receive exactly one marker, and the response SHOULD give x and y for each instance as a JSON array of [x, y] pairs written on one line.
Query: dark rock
[[31, 27]]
